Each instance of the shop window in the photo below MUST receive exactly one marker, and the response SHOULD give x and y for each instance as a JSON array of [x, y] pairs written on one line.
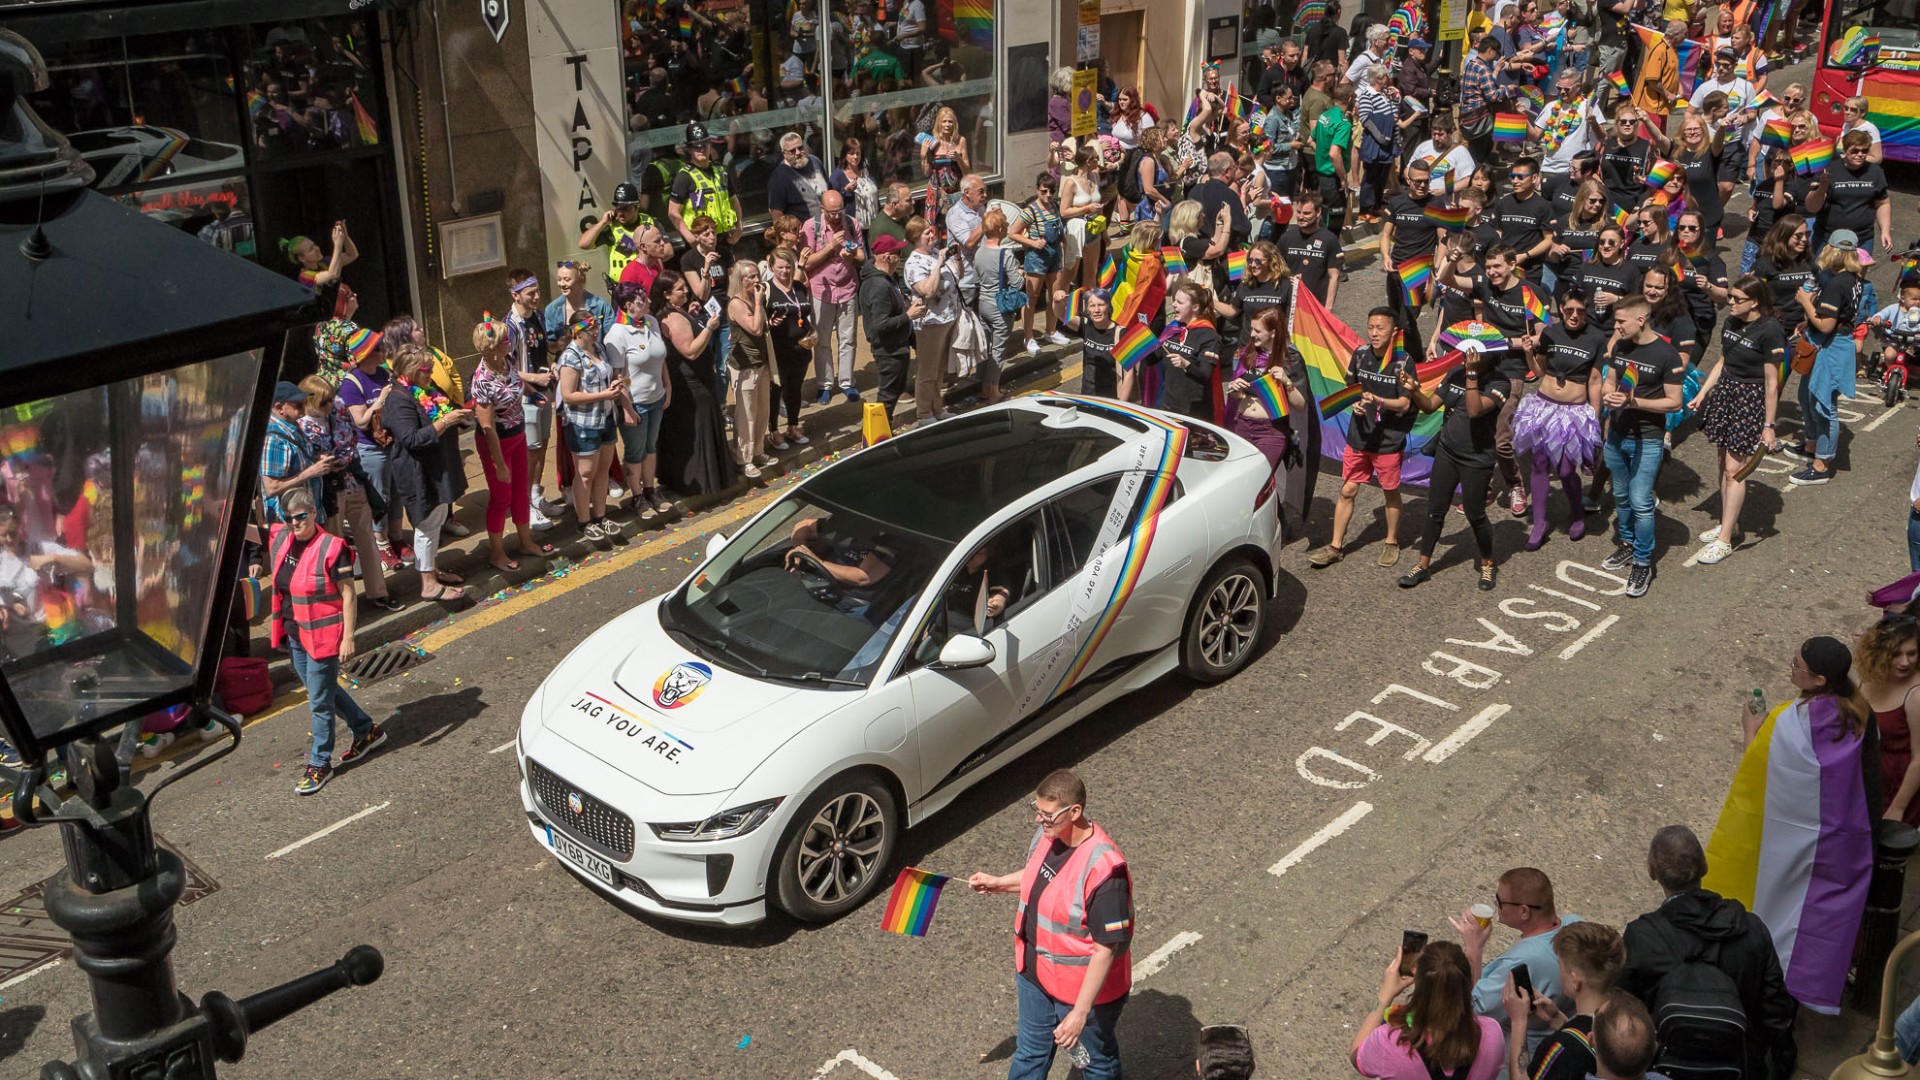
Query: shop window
[[145, 109], [219, 212], [309, 87]]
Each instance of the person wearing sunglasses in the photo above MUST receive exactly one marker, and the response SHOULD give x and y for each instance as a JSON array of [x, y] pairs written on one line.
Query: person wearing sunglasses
[[314, 616], [1523, 901], [1854, 196], [1737, 403], [1071, 952], [1853, 117]]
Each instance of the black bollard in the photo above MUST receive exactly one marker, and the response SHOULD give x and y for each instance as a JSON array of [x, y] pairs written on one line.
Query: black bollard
[[1894, 842]]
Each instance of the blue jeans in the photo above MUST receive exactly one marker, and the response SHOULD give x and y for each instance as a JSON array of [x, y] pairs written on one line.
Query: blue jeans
[[1634, 459], [373, 460], [1913, 563], [1040, 1014], [722, 339], [1906, 1032], [1819, 411], [325, 698]]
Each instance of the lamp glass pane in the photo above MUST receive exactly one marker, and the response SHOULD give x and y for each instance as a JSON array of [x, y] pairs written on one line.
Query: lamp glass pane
[[114, 501]]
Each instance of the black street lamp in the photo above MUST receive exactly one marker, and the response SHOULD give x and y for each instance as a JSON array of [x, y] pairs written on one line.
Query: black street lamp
[[134, 392]]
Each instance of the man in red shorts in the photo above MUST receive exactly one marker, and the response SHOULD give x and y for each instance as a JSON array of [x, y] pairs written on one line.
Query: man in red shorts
[[1376, 438]]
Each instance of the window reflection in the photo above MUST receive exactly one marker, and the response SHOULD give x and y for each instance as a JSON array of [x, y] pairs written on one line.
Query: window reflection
[[219, 213], [309, 87]]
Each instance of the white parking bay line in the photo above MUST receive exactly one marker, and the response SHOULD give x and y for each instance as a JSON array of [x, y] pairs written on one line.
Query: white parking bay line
[[1332, 829], [1599, 628], [1159, 957], [329, 830], [503, 747], [1882, 418], [1464, 734], [854, 1058], [23, 977]]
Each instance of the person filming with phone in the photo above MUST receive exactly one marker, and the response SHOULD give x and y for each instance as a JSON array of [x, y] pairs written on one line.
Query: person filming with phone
[[1522, 901], [1071, 936], [1436, 1032]]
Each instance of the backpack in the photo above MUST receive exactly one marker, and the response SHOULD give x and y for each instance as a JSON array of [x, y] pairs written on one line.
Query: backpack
[[1128, 182], [1698, 1016]]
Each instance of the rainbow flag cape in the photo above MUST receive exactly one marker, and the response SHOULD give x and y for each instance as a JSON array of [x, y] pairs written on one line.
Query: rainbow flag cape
[[1272, 396], [1416, 279], [1536, 307], [1777, 132], [1661, 171], [1176, 263], [1236, 264], [1795, 844], [910, 908], [1449, 217], [1619, 81], [1326, 344], [1077, 305], [1812, 156], [1509, 128], [363, 125], [1134, 344]]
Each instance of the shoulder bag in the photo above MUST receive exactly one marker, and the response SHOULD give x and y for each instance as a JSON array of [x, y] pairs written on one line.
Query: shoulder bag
[[1009, 300]]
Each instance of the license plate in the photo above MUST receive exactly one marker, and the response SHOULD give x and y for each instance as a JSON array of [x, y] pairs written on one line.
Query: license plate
[[579, 856]]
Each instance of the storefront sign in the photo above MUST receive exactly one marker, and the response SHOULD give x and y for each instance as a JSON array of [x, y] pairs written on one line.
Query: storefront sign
[[1086, 85], [1087, 40], [579, 125], [497, 17]]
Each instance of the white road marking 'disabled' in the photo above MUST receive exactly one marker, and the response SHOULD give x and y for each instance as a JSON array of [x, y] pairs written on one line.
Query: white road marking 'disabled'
[[854, 1058], [328, 831], [1590, 636], [1157, 960], [1327, 832]]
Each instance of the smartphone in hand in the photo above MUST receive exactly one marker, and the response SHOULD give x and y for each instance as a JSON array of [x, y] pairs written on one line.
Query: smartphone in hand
[[1411, 944], [1523, 981]]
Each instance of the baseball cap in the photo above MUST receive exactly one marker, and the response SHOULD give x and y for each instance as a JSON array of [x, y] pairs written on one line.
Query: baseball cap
[[1419, 43], [887, 245], [1844, 239], [1726, 54], [285, 393]]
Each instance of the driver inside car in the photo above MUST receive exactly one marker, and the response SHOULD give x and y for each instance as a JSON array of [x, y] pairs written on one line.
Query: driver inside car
[[856, 567]]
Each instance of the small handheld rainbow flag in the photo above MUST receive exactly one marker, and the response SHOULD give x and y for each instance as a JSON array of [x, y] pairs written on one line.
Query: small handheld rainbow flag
[[1416, 279], [1236, 105], [1176, 263], [1134, 344], [1628, 378], [1270, 394], [1109, 270], [1433, 371], [1812, 156], [686, 26], [1619, 216], [1340, 400], [1509, 128], [910, 908], [1077, 306], [1777, 132], [737, 86], [1661, 171], [1449, 217], [1619, 81], [363, 125], [1536, 307], [1698, 257], [1236, 264], [1443, 173]]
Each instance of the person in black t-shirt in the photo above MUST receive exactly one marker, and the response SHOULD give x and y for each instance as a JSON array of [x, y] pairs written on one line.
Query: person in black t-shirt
[[1472, 395], [1558, 427], [1377, 431], [1737, 402], [1831, 308], [1098, 333], [1634, 446], [1408, 234], [1266, 286], [1313, 253], [1624, 157], [1592, 955], [1524, 218], [1577, 232], [1853, 195], [1608, 278], [1780, 191]]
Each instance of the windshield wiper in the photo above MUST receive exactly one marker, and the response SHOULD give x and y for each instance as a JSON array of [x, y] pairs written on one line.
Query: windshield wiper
[[720, 647], [816, 677]]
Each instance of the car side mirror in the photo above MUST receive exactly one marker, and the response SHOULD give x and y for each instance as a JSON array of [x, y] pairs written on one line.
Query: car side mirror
[[715, 542], [964, 651]]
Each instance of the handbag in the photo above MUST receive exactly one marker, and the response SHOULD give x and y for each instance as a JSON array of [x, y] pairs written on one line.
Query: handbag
[[1009, 300], [1476, 124], [1803, 354]]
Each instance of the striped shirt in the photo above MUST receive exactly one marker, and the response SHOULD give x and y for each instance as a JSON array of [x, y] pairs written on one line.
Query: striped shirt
[[596, 374]]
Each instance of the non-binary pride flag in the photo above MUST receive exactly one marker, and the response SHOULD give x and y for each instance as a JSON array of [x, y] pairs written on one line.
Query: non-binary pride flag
[[1812, 156], [1135, 344], [1509, 128], [910, 908]]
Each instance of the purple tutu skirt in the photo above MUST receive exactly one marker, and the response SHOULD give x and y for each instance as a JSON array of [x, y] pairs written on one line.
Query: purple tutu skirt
[[1567, 434]]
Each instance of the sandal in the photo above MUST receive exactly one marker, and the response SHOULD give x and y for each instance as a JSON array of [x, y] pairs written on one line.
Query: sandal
[[448, 577], [447, 595]]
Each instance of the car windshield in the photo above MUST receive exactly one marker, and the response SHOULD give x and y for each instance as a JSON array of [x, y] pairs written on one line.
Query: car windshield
[[810, 592]]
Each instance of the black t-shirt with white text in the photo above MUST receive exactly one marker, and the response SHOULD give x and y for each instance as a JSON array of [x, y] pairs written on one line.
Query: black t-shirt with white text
[[1469, 440], [1414, 234], [1658, 365], [1388, 433], [1522, 224], [1572, 354], [1748, 349], [1312, 258], [1851, 198]]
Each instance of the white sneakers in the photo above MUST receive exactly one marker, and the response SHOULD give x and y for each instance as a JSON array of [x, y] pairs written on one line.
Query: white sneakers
[[1714, 552], [537, 519]]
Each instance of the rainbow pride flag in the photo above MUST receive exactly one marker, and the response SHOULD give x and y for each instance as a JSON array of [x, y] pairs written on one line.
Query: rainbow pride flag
[[1509, 128], [1812, 156], [1175, 262], [1661, 171], [686, 26], [974, 20], [1326, 344], [1416, 279], [1628, 378], [1236, 105], [910, 908], [1134, 344], [1795, 844], [1236, 264], [363, 124], [1777, 132], [1619, 216], [1077, 306], [1110, 270], [1536, 307], [1432, 372], [1308, 12], [1893, 105], [1619, 81], [1271, 395], [1449, 217]]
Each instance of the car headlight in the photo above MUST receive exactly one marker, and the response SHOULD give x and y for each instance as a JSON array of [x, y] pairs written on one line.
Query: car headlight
[[724, 825]]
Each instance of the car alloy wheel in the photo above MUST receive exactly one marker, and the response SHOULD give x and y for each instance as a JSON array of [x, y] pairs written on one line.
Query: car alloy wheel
[[1224, 621], [836, 851]]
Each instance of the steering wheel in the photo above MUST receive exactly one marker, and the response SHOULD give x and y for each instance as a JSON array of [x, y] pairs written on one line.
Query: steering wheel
[[814, 577]]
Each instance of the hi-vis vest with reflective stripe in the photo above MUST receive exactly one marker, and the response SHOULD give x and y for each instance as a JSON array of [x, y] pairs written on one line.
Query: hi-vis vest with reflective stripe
[[626, 245], [1063, 942], [710, 197], [317, 607]]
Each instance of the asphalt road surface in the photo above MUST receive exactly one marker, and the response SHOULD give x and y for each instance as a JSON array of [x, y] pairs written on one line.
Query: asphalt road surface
[[1387, 756]]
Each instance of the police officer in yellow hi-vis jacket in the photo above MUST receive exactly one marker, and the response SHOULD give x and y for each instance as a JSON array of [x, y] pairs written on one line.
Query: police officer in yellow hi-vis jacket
[[1070, 937]]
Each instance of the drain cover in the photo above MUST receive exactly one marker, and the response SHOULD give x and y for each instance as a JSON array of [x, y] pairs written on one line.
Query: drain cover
[[389, 659], [29, 940]]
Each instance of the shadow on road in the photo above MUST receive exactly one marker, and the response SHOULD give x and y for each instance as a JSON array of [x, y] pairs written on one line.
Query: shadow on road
[[1158, 1033], [425, 721], [16, 1025]]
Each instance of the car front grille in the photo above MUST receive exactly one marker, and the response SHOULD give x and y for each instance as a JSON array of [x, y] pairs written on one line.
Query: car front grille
[[598, 825]]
